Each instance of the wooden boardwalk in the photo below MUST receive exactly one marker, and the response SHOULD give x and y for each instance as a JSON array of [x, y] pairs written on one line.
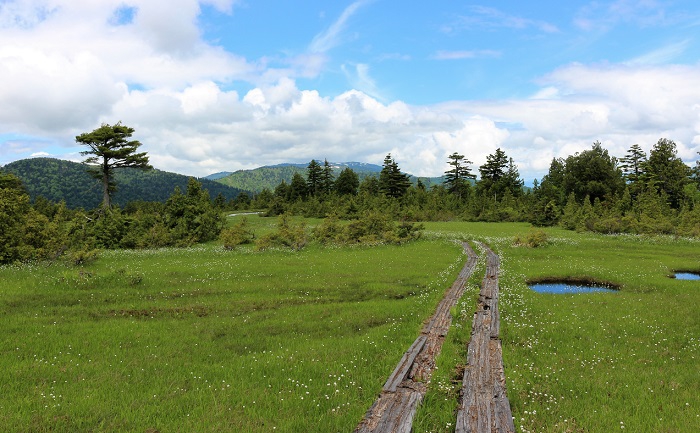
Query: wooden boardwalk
[[403, 392], [485, 407]]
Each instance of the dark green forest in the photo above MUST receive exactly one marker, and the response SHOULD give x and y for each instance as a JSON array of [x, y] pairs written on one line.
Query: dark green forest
[[58, 180], [589, 191], [269, 177]]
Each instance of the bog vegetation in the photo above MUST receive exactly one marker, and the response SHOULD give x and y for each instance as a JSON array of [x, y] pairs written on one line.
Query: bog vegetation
[[588, 191], [209, 339], [172, 316]]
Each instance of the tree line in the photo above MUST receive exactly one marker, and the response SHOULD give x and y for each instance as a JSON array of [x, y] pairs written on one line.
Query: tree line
[[59, 180], [47, 231], [588, 191]]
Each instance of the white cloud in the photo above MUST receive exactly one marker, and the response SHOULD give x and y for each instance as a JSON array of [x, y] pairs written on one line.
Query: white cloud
[[466, 54], [661, 56], [358, 76], [69, 69], [492, 18], [70, 64], [332, 36], [602, 16]]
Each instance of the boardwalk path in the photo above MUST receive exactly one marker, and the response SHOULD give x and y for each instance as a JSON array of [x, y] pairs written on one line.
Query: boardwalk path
[[485, 407], [395, 407]]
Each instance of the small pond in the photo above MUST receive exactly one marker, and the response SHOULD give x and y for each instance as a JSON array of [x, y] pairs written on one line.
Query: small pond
[[686, 276], [562, 288]]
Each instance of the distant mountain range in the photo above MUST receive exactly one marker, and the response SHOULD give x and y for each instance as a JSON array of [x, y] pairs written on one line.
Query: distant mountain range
[[268, 177], [56, 180]]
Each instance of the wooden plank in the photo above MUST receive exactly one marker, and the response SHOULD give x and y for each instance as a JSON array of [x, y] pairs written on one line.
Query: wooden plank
[[484, 407], [394, 409], [404, 367]]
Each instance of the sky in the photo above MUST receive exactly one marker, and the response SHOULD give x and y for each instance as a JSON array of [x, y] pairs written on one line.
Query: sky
[[225, 85]]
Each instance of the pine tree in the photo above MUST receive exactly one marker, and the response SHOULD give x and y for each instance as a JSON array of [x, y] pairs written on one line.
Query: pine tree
[[327, 180], [297, 188], [633, 163], [110, 149], [498, 175], [512, 182], [347, 183], [667, 171], [392, 182], [314, 178], [457, 178], [494, 168]]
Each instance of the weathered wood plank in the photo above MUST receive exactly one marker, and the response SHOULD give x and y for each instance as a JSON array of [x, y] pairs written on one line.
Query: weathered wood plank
[[485, 407], [404, 367], [394, 409]]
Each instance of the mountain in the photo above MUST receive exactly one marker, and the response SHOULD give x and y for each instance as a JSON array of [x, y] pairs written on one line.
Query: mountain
[[56, 180], [272, 175], [217, 176]]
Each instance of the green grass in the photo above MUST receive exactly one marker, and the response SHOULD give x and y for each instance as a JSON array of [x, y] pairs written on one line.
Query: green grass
[[626, 361], [204, 339]]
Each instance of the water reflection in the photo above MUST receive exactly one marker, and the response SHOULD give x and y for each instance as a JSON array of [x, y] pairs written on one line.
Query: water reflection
[[562, 288], [687, 276]]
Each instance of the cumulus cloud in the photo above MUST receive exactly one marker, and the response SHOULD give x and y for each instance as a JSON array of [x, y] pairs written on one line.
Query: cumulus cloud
[[67, 63], [72, 65], [615, 104]]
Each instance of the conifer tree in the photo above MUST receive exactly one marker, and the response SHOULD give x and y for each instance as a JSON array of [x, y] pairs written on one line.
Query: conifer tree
[[457, 178], [633, 163], [347, 182], [327, 180], [498, 175], [667, 171], [314, 178], [392, 182], [297, 188], [494, 169], [111, 149]]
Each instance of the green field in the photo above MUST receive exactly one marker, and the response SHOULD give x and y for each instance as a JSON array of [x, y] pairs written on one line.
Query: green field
[[203, 339], [627, 361]]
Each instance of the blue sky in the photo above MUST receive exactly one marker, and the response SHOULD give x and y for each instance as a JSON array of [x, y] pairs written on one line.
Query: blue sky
[[222, 85]]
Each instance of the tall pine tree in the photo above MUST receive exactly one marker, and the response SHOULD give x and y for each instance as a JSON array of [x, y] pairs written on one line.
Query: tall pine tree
[[314, 178], [392, 182], [458, 176]]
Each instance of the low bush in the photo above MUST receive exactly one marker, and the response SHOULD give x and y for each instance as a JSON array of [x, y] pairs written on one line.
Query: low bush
[[533, 239], [239, 234]]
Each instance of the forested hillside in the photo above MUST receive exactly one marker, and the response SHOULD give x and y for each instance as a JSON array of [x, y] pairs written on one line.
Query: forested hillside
[[640, 193], [269, 177], [57, 180], [588, 191]]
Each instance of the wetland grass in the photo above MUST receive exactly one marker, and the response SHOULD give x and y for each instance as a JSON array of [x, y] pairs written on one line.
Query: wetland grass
[[203, 339], [589, 362]]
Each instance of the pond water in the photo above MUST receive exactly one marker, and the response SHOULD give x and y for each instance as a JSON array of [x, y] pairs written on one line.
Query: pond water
[[687, 276], [562, 288]]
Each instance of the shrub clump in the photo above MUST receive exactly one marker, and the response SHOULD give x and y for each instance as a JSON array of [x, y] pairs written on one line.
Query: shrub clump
[[288, 235], [533, 239], [371, 228], [239, 234]]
